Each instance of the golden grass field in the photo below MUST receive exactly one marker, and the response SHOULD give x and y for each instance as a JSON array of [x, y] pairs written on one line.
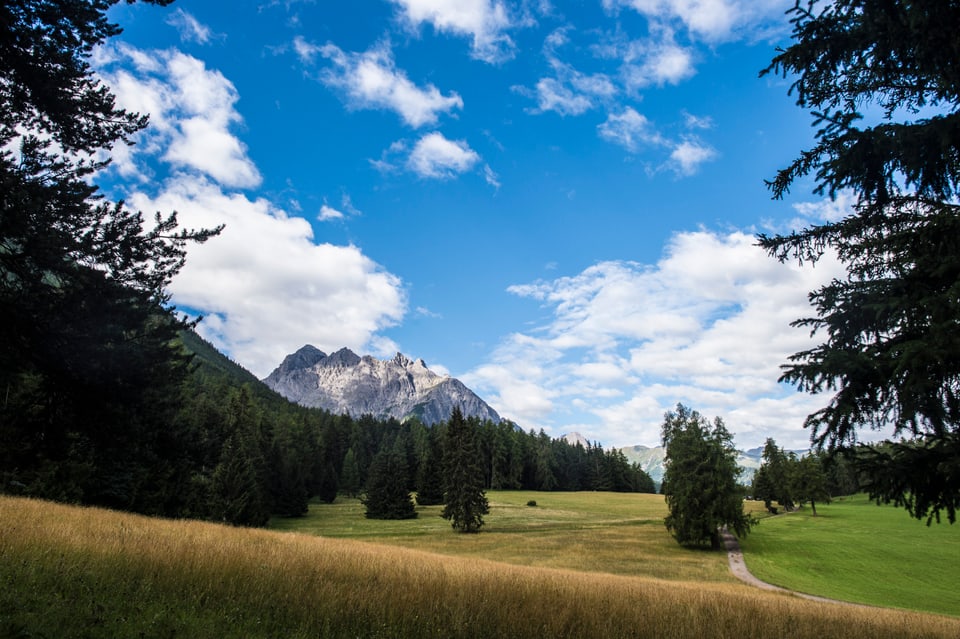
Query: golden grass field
[[82, 572], [617, 533]]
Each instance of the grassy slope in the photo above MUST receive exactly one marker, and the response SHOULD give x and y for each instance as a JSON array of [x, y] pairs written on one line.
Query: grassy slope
[[857, 551], [81, 572], [618, 533]]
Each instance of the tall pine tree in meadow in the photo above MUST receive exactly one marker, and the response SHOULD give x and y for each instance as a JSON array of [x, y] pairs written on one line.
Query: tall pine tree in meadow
[[700, 480], [465, 500]]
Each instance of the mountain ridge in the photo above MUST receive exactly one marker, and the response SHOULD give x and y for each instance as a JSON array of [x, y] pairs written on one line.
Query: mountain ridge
[[399, 388]]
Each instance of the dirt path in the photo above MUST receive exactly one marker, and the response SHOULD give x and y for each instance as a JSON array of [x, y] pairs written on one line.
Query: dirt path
[[740, 571]]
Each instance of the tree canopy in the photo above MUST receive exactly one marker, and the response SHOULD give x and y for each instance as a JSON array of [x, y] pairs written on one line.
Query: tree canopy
[[700, 479], [881, 80], [465, 502]]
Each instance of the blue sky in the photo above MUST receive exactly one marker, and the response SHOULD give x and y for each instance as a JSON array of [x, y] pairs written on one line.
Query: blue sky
[[555, 202]]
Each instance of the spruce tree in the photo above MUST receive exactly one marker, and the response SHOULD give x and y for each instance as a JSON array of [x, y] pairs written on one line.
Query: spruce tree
[[430, 480], [890, 355], [350, 475], [237, 497], [386, 495], [772, 481], [465, 500]]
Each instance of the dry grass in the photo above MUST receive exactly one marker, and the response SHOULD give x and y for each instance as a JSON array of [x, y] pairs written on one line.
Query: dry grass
[[616, 533], [71, 572]]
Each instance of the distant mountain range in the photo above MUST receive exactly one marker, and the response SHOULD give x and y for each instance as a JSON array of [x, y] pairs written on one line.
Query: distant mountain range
[[344, 382], [651, 458]]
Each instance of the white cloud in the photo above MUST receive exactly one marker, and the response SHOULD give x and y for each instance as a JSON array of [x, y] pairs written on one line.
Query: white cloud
[[553, 95], [568, 91], [191, 112], [485, 21], [629, 129], [306, 51], [266, 286], [697, 122], [371, 80], [656, 62], [491, 177], [828, 210], [633, 131], [707, 325], [190, 29], [687, 156], [709, 20], [434, 156], [328, 213]]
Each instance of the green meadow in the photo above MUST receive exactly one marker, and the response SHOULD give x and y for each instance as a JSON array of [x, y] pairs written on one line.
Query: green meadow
[[855, 550]]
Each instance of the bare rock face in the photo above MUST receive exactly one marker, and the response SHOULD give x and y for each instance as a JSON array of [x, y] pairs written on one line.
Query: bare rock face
[[344, 382]]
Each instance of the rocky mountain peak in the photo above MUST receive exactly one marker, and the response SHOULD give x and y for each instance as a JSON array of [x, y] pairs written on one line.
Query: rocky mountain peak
[[305, 357], [344, 357], [402, 360], [401, 387]]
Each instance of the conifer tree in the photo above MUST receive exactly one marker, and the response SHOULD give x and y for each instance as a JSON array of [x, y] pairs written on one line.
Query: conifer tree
[[350, 475], [700, 480], [890, 356], [430, 480], [464, 498], [386, 495], [809, 481], [772, 482], [236, 495], [87, 362]]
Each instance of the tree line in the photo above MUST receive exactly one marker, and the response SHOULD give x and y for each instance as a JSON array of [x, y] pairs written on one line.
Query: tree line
[[792, 480]]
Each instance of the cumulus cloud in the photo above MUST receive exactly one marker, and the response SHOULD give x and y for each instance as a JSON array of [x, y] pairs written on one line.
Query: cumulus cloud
[[688, 155], [259, 306], [658, 60], [266, 286], [329, 213], [568, 91], [484, 21], [191, 115], [434, 156], [371, 80], [629, 129], [708, 20], [707, 325], [827, 210], [634, 132], [554, 95]]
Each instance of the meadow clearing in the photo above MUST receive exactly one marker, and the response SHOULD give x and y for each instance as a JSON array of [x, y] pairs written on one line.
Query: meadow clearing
[[855, 550], [82, 572]]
